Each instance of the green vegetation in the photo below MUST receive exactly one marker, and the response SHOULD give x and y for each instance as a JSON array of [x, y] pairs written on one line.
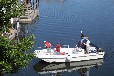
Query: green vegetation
[[9, 9], [14, 55]]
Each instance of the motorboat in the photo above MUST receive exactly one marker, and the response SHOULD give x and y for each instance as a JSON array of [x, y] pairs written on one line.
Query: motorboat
[[69, 54], [55, 68]]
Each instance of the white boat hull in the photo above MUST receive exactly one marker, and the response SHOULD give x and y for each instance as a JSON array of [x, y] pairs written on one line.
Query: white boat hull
[[71, 54]]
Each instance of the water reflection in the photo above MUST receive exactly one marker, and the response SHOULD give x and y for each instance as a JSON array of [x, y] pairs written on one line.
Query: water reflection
[[82, 68]]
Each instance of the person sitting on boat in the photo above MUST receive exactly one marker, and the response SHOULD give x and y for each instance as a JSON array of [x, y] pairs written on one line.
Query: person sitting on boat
[[87, 44], [58, 46], [48, 46]]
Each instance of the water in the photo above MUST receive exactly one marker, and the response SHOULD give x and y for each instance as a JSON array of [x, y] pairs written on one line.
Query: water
[[62, 20]]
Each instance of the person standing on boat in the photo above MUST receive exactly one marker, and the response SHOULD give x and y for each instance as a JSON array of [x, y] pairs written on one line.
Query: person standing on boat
[[83, 41], [48, 46], [58, 46]]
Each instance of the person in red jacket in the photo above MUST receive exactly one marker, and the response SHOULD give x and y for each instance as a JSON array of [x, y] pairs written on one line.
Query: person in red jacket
[[58, 46], [48, 46]]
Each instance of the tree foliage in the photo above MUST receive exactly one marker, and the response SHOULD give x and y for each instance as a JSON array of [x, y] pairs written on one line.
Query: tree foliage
[[15, 55], [9, 9]]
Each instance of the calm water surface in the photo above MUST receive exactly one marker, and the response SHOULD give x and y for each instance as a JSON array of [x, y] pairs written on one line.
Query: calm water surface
[[62, 20]]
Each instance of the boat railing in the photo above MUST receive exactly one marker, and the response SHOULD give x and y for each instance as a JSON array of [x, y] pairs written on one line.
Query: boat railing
[[66, 46]]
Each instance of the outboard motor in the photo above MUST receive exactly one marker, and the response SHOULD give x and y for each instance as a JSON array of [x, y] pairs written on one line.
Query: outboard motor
[[100, 50]]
